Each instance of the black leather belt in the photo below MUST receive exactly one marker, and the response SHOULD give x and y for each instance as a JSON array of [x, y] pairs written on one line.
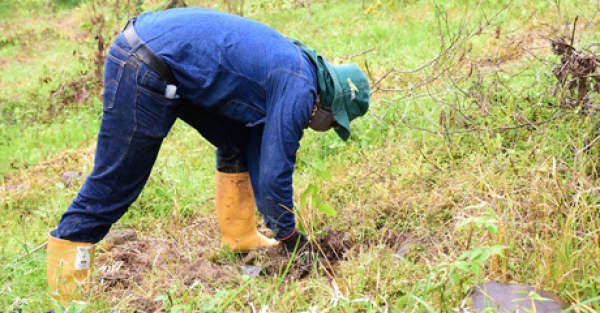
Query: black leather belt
[[144, 54]]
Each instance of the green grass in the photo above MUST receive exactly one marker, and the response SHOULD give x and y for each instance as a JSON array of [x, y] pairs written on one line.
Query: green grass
[[476, 136]]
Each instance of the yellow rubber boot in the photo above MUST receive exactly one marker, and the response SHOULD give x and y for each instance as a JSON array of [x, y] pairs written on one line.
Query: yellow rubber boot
[[69, 266], [236, 213]]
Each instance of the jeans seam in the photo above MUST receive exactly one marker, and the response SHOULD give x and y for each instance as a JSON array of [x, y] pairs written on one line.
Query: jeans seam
[[130, 138]]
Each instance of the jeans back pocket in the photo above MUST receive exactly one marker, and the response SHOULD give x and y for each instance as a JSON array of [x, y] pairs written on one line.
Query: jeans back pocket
[[113, 70]]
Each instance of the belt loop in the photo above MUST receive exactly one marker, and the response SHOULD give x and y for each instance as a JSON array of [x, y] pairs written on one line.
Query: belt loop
[[134, 49]]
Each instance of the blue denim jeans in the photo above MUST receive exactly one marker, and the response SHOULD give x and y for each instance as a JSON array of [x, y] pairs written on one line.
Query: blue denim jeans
[[229, 136], [136, 118]]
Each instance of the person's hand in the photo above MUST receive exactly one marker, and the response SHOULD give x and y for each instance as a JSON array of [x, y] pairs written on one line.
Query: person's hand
[[302, 250], [295, 243]]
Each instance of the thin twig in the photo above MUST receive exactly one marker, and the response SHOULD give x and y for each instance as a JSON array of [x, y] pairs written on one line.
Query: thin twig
[[428, 161], [587, 146], [375, 86], [573, 33], [357, 54]]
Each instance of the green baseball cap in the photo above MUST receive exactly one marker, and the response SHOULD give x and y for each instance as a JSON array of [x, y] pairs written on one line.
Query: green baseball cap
[[351, 96]]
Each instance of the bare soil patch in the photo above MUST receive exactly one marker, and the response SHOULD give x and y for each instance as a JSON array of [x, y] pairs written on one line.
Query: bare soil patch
[[132, 263], [127, 264]]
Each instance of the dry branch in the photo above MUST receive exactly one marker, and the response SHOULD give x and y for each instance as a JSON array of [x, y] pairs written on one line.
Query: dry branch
[[577, 72]]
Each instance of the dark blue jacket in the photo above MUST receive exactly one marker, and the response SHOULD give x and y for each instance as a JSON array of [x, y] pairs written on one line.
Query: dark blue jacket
[[250, 73]]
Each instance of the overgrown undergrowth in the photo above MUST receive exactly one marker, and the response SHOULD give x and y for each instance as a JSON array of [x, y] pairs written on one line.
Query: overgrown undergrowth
[[471, 166]]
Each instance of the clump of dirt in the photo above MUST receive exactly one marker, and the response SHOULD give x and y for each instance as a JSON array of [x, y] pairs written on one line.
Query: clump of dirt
[[321, 255], [335, 245], [205, 271]]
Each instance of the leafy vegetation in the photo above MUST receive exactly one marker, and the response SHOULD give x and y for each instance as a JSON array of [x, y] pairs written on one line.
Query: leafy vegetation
[[469, 166]]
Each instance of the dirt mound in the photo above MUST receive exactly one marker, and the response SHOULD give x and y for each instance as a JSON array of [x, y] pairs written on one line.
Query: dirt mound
[[335, 245], [328, 250]]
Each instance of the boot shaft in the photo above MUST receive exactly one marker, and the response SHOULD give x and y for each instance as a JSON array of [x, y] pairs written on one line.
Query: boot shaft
[[69, 267], [236, 213]]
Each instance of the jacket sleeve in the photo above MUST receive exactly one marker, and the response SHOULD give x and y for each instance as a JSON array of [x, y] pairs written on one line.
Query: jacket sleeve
[[290, 101]]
